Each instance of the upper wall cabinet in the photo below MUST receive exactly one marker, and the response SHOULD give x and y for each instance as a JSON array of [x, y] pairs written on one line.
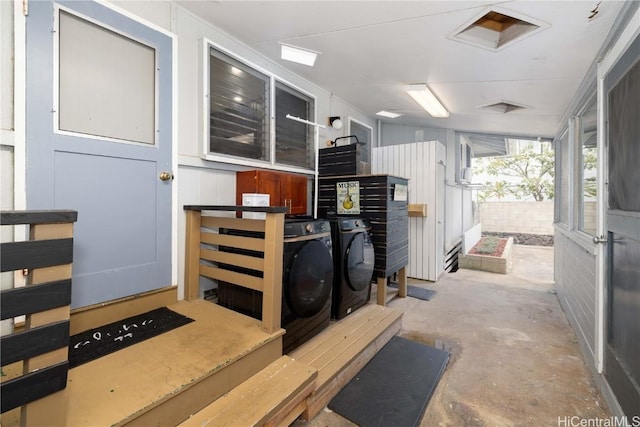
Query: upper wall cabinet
[[285, 189]]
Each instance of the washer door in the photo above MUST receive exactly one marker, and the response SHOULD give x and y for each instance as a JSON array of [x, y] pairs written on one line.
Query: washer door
[[309, 279], [359, 260]]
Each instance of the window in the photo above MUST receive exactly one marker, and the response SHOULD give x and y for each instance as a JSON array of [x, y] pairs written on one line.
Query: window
[[238, 109], [243, 129], [364, 134], [107, 82], [562, 179], [587, 160], [294, 140]]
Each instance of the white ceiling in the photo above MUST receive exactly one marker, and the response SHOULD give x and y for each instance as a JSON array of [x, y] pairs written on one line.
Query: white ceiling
[[370, 49]]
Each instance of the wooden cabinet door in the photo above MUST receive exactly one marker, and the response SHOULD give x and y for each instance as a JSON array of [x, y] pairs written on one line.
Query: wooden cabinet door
[[271, 183], [284, 189], [296, 194], [263, 182]]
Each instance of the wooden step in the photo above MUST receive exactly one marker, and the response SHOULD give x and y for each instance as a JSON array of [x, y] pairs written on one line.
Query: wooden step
[[274, 396], [165, 379], [343, 349]]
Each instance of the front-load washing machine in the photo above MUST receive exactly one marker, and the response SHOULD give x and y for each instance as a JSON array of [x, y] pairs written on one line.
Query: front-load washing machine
[[307, 283], [354, 259]]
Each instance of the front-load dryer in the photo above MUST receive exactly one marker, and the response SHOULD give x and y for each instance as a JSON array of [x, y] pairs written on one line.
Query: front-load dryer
[[354, 259], [307, 283]]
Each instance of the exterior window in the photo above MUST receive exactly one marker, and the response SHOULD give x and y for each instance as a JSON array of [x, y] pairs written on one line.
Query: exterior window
[[238, 109], [562, 179], [364, 134], [294, 140], [246, 111], [587, 168]]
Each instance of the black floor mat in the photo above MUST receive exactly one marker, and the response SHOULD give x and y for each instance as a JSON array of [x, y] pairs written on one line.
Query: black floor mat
[[394, 388], [92, 344], [417, 292]]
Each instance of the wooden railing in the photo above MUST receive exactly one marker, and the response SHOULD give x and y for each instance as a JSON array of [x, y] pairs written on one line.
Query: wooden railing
[[36, 358], [203, 256]]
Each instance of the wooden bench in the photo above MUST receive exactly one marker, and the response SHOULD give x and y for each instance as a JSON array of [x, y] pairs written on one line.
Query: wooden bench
[[275, 396], [342, 350]]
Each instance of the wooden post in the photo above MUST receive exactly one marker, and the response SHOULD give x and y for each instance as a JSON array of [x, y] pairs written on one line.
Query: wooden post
[[402, 282], [272, 292], [192, 256], [382, 286], [52, 409], [382, 290]]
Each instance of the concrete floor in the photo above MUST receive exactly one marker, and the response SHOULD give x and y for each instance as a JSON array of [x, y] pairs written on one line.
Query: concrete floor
[[515, 361]]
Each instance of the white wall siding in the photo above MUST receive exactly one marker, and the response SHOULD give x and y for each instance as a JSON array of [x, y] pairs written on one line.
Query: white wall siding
[[7, 124], [458, 199], [418, 162], [575, 270], [6, 65], [198, 186], [395, 134], [6, 203]]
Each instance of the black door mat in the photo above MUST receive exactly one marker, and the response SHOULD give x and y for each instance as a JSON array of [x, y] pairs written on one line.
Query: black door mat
[[394, 388], [417, 292], [94, 343]]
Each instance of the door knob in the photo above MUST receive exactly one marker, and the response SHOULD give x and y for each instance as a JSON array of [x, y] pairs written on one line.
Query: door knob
[[166, 176], [599, 239]]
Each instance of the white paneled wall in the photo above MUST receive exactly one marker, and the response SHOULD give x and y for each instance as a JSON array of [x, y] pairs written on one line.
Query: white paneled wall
[[423, 164], [575, 277]]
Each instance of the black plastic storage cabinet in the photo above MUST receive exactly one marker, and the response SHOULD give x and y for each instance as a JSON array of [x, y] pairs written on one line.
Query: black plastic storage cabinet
[[389, 217]]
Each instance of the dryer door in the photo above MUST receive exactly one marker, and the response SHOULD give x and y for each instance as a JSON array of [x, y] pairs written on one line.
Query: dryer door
[[309, 279], [359, 260]]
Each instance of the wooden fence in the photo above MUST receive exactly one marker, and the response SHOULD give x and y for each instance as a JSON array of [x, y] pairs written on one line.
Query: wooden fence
[[35, 358], [203, 256]]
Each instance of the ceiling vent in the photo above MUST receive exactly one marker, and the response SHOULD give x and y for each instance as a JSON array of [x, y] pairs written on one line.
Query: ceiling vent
[[497, 29], [502, 107]]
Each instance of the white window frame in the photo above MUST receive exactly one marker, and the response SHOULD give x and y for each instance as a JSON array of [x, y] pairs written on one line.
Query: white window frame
[[558, 220], [578, 200], [206, 46], [277, 79]]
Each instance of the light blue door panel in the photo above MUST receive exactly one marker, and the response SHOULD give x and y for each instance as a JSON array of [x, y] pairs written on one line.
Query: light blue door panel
[[122, 240]]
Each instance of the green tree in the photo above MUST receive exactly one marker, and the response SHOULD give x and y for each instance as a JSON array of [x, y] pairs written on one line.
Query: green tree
[[589, 162], [533, 170], [497, 189]]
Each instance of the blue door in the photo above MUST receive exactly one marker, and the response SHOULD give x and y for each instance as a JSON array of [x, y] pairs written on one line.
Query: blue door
[[98, 140]]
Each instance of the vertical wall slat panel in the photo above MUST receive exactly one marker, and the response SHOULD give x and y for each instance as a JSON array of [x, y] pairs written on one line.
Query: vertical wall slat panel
[[415, 161], [420, 267], [416, 267], [432, 196]]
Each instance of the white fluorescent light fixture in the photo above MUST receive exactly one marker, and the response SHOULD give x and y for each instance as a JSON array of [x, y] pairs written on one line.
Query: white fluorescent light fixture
[[427, 100], [299, 55], [388, 114]]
